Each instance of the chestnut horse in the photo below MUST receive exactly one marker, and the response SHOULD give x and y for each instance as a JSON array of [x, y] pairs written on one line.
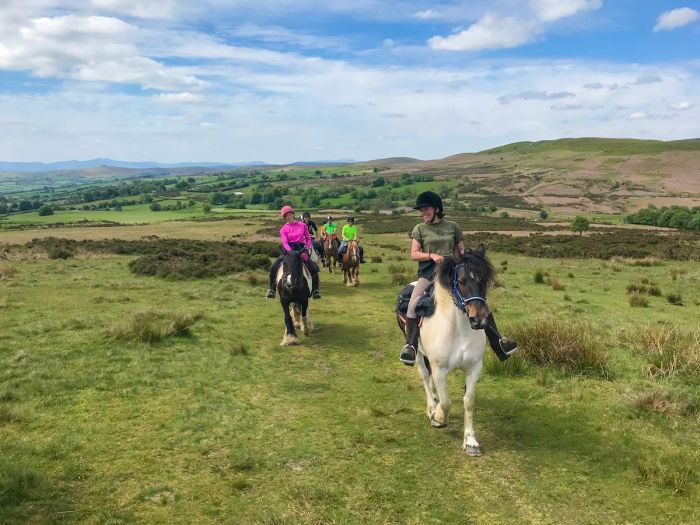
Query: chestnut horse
[[351, 264], [330, 249]]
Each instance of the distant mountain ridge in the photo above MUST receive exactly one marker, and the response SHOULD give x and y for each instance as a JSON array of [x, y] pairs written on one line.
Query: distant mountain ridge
[[39, 167], [605, 146]]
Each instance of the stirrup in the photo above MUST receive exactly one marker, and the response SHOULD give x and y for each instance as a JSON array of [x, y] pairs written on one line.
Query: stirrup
[[508, 345], [408, 355]]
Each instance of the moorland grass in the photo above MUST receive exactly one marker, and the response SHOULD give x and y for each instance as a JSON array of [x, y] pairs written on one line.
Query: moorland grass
[[194, 430]]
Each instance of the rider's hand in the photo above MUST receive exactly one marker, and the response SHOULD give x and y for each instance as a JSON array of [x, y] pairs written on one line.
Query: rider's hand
[[436, 258]]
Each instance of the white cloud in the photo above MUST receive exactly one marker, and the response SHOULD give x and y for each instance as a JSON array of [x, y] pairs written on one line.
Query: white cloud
[[681, 106], [427, 14], [551, 10], [492, 31], [638, 115], [646, 79], [676, 18], [534, 95], [184, 96]]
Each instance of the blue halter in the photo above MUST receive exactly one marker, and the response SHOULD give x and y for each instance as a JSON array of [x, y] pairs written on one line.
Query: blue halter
[[460, 301]]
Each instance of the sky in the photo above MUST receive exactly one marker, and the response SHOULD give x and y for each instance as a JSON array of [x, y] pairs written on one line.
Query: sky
[[301, 80]]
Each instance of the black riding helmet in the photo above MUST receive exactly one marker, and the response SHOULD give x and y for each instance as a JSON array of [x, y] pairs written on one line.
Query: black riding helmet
[[351, 219], [305, 215], [429, 198]]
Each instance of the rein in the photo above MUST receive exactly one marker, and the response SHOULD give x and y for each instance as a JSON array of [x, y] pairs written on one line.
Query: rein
[[461, 302]]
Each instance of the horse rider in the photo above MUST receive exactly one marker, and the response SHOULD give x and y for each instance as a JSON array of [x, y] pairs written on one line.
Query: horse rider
[[433, 240], [295, 236], [313, 232], [349, 233], [329, 228]]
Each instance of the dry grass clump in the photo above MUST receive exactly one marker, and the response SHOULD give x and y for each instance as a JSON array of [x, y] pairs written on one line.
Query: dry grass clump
[[7, 271], [662, 403], [252, 279], [644, 261], [239, 349], [556, 284], [675, 299], [666, 349], [400, 274], [376, 259], [151, 327], [572, 348], [638, 299]]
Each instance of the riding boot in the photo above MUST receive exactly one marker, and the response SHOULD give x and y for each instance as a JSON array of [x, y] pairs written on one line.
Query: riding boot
[[273, 275], [315, 293], [362, 254], [503, 347], [408, 352]]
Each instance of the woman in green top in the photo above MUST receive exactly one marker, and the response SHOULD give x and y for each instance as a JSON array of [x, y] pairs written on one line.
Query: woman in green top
[[433, 240], [349, 233]]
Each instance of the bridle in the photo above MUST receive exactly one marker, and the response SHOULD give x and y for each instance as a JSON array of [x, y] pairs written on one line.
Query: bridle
[[461, 302]]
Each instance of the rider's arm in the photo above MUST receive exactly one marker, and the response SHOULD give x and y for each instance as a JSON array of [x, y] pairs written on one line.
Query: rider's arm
[[285, 238], [307, 238], [417, 253]]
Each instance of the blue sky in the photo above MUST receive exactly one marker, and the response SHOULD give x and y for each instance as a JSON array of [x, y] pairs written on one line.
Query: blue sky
[[294, 80]]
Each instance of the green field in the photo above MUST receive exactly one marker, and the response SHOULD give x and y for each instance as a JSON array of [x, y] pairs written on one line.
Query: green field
[[222, 425]]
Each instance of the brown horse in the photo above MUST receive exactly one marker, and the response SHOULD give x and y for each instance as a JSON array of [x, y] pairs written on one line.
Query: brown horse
[[330, 249], [351, 264]]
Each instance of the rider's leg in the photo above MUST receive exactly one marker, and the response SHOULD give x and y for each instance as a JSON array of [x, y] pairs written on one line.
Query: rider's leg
[[408, 352], [503, 347], [362, 252], [273, 276], [343, 247], [315, 292]]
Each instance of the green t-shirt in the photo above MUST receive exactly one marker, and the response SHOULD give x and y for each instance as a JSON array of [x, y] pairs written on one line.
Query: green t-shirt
[[349, 232], [440, 238], [330, 228]]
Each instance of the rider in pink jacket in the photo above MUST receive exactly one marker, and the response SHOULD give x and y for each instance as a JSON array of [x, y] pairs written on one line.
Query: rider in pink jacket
[[295, 236]]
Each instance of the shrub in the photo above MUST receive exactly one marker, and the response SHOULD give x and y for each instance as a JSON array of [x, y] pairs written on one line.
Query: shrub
[[45, 210], [666, 349], [638, 299], [539, 276], [675, 299], [151, 326], [60, 253], [569, 347], [7, 271]]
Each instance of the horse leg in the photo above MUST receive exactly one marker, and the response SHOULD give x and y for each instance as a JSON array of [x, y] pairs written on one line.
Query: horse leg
[[306, 325], [470, 445], [296, 316], [290, 336], [356, 276], [439, 417], [431, 400]]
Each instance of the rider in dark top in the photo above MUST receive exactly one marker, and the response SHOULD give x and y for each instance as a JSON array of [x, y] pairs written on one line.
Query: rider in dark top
[[313, 231]]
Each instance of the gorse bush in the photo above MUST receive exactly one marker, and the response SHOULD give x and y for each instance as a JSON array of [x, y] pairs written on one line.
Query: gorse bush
[[569, 347], [666, 349], [151, 326]]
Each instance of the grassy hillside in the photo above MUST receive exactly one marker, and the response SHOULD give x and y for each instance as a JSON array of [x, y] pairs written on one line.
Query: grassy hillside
[[604, 146]]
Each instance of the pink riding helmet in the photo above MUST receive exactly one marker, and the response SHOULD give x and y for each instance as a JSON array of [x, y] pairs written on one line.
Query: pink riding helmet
[[285, 210]]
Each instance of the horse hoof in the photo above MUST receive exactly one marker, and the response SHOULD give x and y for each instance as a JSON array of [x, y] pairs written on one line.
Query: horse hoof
[[471, 451], [436, 424], [290, 341]]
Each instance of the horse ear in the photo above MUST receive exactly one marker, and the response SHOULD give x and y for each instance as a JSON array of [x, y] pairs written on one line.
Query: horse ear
[[481, 250]]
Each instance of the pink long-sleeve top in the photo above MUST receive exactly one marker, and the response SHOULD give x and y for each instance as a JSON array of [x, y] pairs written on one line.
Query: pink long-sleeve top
[[295, 232]]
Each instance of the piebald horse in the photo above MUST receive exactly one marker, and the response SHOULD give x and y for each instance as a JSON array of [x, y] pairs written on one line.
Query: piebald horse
[[453, 337], [351, 264], [294, 289], [330, 250]]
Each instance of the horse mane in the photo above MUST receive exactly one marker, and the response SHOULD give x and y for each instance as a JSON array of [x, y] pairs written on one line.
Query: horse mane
[[479, 266]]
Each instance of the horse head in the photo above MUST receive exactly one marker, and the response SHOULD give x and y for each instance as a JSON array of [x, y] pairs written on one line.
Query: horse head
[[469, 277], [292, 270]]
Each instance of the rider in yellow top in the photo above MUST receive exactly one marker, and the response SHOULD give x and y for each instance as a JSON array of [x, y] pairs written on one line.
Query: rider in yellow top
[[349, 233]]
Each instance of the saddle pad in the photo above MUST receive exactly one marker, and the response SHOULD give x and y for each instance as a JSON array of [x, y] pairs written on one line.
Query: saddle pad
[[425, 306]]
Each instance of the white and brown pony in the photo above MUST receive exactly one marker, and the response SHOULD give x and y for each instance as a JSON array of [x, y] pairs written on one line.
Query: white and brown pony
[[351, 264], [294, 289], [330, 250], [453, 337]]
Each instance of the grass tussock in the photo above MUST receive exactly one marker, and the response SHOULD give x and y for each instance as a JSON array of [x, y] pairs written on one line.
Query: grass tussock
[[376, 259], [7, 271], [539, 276], [663, 403], [675, 299], [644, 287], [151, 326], [638, 300], [556, 284], [571, 348], [673, 473], [641, 261], [516, 366], [252, 279], [666, 349], [239, 349]]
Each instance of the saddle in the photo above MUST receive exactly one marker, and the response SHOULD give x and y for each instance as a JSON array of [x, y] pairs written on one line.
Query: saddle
[[425, 306]]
